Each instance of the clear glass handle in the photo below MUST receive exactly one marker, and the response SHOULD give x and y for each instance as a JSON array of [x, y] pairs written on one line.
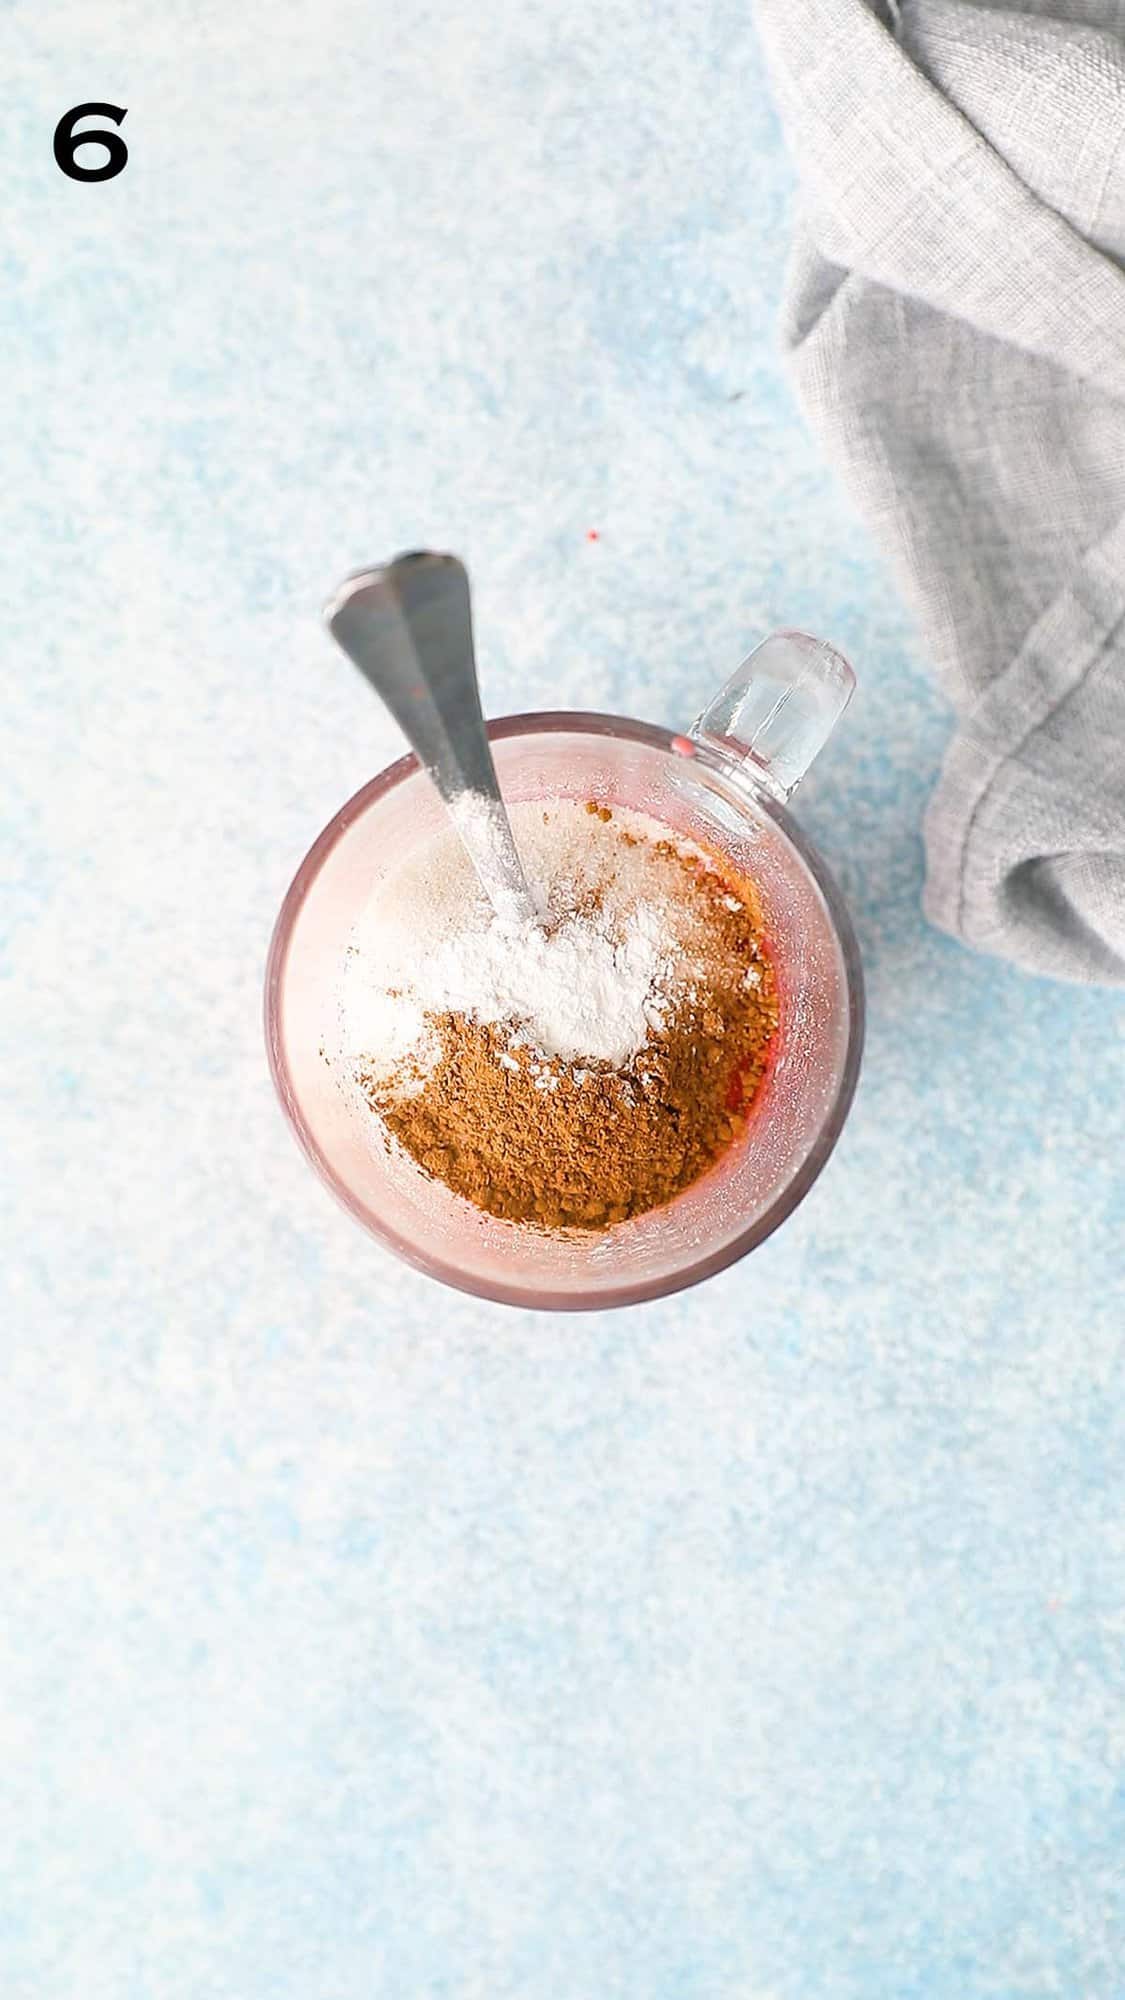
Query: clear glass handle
[[778, 709]]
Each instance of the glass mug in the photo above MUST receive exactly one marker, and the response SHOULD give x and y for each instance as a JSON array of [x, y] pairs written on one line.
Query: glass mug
[[725, 784]]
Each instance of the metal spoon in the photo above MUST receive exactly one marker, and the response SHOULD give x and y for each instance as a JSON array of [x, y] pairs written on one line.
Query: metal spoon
[[408, 627]]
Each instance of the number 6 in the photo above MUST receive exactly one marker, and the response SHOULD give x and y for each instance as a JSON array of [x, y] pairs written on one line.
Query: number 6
[[67, 142]]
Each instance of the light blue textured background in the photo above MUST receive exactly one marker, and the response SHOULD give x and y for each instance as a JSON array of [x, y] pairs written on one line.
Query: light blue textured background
[[358, 1639]]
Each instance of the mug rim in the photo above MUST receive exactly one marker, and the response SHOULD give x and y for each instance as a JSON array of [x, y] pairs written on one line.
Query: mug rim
[[588, 722]]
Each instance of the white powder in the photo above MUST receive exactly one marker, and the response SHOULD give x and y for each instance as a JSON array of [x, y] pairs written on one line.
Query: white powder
[[585, 987], [480, 822]]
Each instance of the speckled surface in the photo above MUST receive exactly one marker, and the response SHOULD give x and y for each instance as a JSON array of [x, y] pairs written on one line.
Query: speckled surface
[[359, 1639]]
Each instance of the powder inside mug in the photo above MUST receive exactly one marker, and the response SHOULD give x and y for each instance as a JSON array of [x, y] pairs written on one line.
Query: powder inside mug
[[576, 1074]]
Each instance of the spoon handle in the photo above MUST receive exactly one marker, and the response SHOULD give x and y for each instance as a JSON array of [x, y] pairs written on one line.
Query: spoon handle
[[407, 625]]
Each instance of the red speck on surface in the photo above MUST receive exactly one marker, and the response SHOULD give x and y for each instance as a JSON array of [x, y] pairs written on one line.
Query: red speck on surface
[[683, 746], [592, 535]]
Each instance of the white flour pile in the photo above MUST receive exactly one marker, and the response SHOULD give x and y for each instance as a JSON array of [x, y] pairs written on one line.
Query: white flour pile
[[591, 985]]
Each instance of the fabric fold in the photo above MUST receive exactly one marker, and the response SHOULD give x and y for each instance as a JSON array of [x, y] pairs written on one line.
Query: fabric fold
[[955, 321]]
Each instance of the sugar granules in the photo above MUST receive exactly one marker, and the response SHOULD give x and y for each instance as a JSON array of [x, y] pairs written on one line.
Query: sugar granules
[[581, 1073]]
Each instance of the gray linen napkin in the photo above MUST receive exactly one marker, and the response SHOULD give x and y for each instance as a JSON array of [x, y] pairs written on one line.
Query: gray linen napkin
[[955, 320]]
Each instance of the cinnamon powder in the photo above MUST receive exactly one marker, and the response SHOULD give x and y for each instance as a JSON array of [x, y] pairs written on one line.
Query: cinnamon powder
[[559, 1144]]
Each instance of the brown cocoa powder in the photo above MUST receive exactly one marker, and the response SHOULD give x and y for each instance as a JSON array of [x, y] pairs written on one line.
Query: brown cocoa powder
[[560, 1145]]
